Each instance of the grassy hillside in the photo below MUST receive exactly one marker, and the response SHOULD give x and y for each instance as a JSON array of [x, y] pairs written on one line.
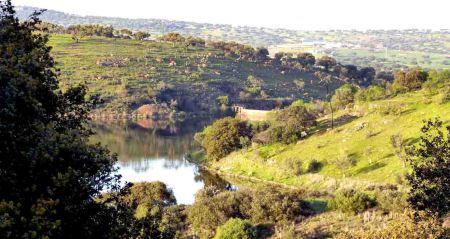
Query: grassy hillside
[[357, 152], [126, 73], [406, 48]]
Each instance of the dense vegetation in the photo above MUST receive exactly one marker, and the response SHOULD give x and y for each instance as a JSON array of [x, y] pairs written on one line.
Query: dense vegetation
[[54, 183], [360, 162], [49, 174]]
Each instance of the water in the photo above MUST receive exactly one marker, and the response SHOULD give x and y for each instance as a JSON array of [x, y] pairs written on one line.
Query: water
[[157, 151]]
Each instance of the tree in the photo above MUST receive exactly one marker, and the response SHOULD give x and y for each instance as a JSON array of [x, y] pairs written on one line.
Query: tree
[[326, 62], [141, 35], [261, 54], [50, 175], [399, 145], [306, 59], [224, 136], [172, 37], [326, 80], [430, 162], [366, 76], [126, 32], [344, 95], [411, 79]]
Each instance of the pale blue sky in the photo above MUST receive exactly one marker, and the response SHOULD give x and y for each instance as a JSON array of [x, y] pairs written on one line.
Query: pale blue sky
[[292, 14]]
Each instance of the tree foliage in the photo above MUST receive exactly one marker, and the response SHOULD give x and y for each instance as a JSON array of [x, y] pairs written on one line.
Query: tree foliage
[[224, 136], [411, 79], [236, 228], [430, 162], [344, 95], [50, 174]]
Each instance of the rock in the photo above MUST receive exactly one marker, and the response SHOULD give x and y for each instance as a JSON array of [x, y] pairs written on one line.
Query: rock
[[360, 126]]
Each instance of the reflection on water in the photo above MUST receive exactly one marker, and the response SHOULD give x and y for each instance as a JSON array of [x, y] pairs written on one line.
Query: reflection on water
[[156, 151]]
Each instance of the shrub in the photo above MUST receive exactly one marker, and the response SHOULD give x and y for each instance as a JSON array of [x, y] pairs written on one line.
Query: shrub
[[289, 125], [392, 200], [236, 228], [314, 166], [213, 208], [392, 108], [411, 79], [172, 37], [436, 80], [271, 205], [408, 225], [370, 94], [223, 100], [293, 166], [154, 209], [344, 95], [224, 136], [344, 160], [149, 194], [444, 95], [352, 201]]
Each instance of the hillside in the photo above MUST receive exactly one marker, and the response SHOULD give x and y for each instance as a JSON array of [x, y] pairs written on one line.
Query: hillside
[[356, 153], [127, 74], [381, 49]]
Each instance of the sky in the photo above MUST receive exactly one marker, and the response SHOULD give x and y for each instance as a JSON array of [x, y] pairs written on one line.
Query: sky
[[290, 14]]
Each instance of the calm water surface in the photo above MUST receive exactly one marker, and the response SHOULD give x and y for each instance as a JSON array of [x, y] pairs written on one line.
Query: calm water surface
[[157, 151]]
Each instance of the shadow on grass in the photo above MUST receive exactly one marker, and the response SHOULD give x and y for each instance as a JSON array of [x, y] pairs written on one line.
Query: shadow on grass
[[369, 168], [411, 141], [318, 205]]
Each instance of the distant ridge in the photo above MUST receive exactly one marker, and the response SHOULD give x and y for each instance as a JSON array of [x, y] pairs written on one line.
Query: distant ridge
[[255, 36]]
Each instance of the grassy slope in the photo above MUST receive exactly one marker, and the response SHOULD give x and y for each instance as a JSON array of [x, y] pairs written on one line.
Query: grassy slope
[[126, 87], [370, 146]]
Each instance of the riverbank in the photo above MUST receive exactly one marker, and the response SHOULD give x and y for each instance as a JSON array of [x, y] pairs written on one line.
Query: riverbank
[[356, 153]]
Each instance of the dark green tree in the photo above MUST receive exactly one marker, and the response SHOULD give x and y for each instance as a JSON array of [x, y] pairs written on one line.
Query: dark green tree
[[430, 162], [141, 35], [261, 54], [224, 136], [306, 59], [411, 79], [326, 62], [50, 175]]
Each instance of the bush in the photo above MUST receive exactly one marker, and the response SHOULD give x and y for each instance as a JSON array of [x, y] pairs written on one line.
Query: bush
[[408, 225], [436, 80], [293, 166], [344, 160], [224, 136], [213, 208], [411, 79], [149, 194], [223, 100], [392, 108], [314, 166], [289, 125], [370, 94], [352, 201], [344, 95], [153, 210], [392, 200], [444, 95], [236, 228], [271, 205]]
